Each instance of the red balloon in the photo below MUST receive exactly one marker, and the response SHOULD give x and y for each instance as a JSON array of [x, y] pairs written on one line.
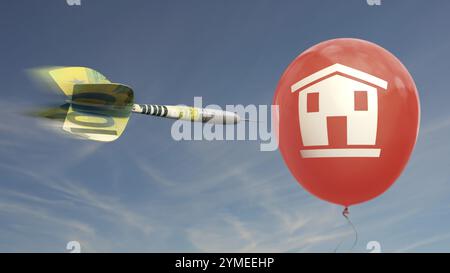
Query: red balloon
[[348, 119]]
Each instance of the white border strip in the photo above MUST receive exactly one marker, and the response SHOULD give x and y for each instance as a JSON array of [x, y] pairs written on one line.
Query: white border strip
[[355, 152]]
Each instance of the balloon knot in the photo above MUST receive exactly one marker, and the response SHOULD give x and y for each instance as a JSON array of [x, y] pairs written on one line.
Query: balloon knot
[[345, 213]]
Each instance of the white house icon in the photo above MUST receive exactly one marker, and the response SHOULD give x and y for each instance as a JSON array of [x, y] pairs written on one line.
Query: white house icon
[[338, 112]]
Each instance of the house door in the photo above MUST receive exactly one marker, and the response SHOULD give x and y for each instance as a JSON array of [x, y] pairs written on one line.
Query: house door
[[337, 131]]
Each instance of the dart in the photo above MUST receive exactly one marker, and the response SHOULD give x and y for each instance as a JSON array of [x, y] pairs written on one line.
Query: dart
[[99, 110]]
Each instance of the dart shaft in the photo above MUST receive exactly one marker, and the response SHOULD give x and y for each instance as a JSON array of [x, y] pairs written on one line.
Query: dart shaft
[[187, 113]]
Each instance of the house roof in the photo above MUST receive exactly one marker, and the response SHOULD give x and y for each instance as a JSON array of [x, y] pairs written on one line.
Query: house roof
[[340, 69]]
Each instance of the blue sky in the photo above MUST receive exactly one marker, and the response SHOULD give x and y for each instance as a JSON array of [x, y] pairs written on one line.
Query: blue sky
[[148, 193]]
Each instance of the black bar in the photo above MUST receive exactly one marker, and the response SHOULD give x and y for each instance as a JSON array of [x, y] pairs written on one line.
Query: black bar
[[228, 262]]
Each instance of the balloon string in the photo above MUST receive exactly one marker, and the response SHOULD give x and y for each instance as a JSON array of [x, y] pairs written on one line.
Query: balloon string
[[346, 214]]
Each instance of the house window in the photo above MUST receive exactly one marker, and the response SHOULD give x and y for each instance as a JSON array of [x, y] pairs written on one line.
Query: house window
[[361, 101], [312, 102]]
